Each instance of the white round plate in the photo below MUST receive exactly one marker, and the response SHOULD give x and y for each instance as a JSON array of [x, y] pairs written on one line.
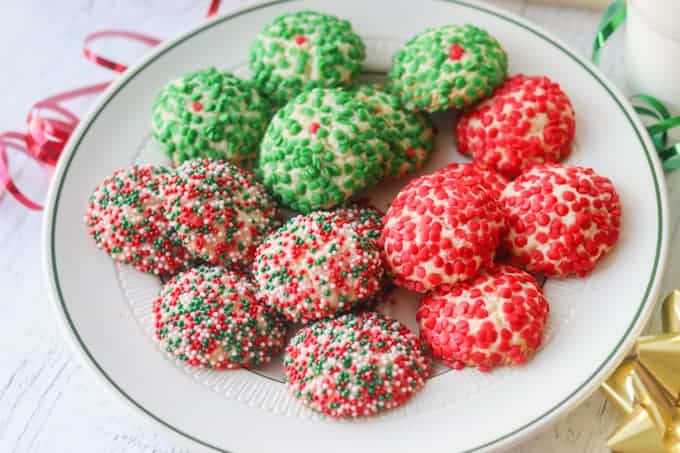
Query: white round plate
[[105, 308]]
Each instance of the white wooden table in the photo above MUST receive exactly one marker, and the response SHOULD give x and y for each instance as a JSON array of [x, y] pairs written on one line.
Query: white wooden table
[[48, 402]]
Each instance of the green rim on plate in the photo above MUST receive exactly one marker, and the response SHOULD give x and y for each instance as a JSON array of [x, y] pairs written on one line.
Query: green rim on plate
[[50, 222]]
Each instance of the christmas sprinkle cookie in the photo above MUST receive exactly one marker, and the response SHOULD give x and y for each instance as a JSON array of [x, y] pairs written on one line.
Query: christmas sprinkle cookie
[[212, 114], [355, 365], [496, 319], [491, 180], [315, 267], [561, 219], [409, 134], [528, 121], [439, 231], [126, 219], [447, 67], [322, 148], [366, 221], [219, 211], [304, 50], [210, 317]]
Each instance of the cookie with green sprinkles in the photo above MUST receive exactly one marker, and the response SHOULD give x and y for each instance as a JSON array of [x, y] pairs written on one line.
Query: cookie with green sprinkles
[[209, 113], [409, 134], [219, 211], [447, 67], [316, 266], [321, 148], [126, 218], [209, 317], [304, 50], [356, 365]]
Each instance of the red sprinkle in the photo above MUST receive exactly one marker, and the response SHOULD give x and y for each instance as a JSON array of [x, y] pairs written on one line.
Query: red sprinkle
[[456, 52], [313, 127], [299, 40]]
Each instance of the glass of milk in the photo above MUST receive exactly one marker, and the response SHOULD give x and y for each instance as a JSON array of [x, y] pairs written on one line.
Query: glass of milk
[[653, 50]]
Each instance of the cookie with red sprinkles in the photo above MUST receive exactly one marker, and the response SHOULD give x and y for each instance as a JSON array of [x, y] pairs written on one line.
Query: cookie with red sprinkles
[[219, 211], [439, 231], [528, 120], [495, 319], [126, 218], [561, 219], [209, 317], [356, 365], [468, 172], [316, 266]]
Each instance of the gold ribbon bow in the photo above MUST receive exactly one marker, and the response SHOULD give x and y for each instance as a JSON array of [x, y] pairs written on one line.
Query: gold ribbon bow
[[646, 388]]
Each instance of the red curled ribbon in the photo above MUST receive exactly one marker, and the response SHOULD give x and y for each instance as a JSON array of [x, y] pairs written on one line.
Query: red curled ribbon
[[50, 125], [110, 64], [45, 138], [212, 9]]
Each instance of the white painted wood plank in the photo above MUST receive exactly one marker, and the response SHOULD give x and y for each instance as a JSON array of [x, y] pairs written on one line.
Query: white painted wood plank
[[48, 403]]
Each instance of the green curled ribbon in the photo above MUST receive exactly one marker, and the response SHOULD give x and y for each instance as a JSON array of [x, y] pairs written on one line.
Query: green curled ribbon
[[614, 16], [669, 155]]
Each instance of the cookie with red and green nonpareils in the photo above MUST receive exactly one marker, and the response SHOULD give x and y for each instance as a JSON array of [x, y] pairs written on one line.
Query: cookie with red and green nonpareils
[[219, 211], [561, 219], [315, 267], [490, 179], [305, 50], [126, 218], [321, 148], [447, 67], [439, 231], [366, 221], [213, 114], [495, 319], [409, 134], [529, 120], [356, 365], [209, 317]]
